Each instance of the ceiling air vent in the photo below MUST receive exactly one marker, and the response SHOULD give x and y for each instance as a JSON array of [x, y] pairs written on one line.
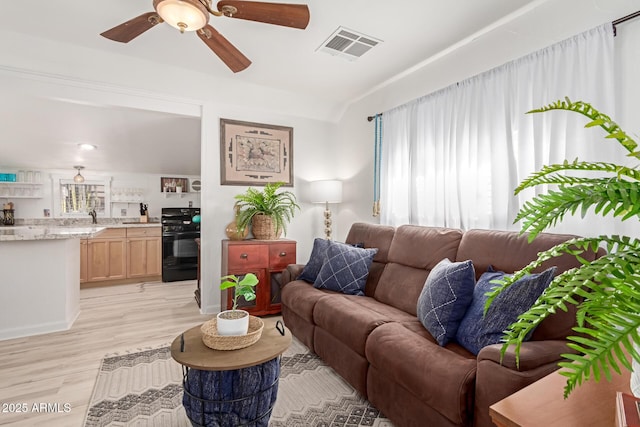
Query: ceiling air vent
[[348, 44]]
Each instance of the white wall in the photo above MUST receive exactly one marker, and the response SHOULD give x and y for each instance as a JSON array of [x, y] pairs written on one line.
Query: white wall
[[476, 55]]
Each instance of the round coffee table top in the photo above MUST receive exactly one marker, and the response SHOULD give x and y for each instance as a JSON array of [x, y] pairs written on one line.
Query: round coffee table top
[[196, 355]]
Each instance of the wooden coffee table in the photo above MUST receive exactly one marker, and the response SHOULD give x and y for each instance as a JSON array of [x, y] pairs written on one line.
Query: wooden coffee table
[[231, 386], [196, 355]]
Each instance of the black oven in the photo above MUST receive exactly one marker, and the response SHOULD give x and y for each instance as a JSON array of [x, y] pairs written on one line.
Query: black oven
[[179, 248]]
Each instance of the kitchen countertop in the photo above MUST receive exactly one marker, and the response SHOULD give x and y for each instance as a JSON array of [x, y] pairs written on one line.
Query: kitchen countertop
[[132, 225], [35, 232], [80, 231]]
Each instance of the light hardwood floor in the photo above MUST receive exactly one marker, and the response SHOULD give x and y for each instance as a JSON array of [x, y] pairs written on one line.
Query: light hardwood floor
[[62, 367]]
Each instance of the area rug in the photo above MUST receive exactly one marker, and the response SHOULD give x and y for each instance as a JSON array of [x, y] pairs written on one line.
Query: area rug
[[144, 388]]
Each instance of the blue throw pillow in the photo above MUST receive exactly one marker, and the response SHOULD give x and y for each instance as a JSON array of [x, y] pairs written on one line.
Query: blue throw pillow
[[477, 331], [318, 255], [445, 297], [345, 269]]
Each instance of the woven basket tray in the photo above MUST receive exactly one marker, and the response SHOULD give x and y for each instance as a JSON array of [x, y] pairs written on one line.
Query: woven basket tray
[[212, 340]]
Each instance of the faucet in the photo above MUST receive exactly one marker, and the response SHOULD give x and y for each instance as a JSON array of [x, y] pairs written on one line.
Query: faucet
[[92, 214]]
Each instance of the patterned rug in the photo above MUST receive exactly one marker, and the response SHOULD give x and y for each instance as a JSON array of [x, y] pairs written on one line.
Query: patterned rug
[[144, 388]]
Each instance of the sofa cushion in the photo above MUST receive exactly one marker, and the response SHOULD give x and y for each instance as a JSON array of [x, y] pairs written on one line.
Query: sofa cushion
[[316, 259], [477, 330], [351, 318], [435, 375], [372, 236], [446, 295], [414, 251], [301, 297], [345, 269]]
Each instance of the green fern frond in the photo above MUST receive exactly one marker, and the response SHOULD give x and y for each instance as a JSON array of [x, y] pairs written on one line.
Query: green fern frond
[[542, 176], [607, 294], [605, 291], [619, 197], [280, 206], [597, 119]]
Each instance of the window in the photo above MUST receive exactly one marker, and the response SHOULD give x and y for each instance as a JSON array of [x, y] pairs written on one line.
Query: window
[[82, 198], [72, 199]]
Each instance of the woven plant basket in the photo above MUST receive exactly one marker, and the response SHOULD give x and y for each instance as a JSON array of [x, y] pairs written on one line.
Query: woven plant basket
[[211, 339], [264, 228]]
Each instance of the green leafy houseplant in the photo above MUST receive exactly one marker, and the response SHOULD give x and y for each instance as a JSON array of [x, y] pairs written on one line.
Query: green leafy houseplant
[[280, 206], [244, 287], [605, 291]]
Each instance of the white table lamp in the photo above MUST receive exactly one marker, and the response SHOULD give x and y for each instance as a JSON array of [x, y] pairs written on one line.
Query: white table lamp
[[326, 191]]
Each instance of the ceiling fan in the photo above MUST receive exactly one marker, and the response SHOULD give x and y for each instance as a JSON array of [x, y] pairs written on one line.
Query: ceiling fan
[[193, 15]]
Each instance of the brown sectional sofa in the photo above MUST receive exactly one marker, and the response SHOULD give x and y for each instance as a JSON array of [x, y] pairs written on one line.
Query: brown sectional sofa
[[379, 346]]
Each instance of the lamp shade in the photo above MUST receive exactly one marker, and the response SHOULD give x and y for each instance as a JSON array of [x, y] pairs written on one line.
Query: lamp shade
[[326, 191], [185, 15]]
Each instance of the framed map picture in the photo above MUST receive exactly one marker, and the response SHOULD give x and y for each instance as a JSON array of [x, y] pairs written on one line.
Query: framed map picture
[[255, 154]]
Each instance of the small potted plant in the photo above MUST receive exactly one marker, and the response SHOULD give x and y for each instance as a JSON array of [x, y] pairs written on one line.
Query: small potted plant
[[268, 212], [234, 321]]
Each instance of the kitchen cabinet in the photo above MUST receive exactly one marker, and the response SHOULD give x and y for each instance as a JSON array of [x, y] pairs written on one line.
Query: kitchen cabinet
[[267, 259], [106, 256], [84, 247], [121, 255], [144, 252]]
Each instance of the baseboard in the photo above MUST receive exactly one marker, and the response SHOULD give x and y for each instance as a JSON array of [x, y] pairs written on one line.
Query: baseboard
[[86, 285], [43, 328]]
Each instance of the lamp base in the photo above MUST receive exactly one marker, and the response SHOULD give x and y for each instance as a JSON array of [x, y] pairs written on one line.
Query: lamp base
[[327, 222]]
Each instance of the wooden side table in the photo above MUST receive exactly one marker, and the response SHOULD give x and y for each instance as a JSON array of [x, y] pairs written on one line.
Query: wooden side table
[[542, 403], [267, 259], [235, 387]]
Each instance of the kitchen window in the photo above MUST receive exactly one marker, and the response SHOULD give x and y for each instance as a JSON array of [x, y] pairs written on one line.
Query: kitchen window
[[77, 200], [81, 198]]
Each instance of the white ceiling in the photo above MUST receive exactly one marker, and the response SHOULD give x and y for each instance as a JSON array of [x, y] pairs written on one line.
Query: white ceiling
[[283, 58]]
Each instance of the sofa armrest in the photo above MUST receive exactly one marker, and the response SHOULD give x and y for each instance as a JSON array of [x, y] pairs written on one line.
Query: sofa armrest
[[495, 381], [532, 354], [290, 273]]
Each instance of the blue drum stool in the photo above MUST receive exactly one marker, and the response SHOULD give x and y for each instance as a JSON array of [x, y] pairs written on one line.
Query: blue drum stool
[[231, 388]]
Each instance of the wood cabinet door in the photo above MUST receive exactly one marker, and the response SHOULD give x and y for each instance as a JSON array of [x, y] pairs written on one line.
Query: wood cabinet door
[[106, 259], [97, 260], [137, 257], [117, 259], [144, 257], [154, 256]]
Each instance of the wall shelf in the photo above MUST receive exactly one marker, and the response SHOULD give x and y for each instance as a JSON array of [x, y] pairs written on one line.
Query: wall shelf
[[20, 190], [172, 194]]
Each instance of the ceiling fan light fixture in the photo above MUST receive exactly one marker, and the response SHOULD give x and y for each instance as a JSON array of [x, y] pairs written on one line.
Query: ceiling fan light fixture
[[78, 178], [184, 15]]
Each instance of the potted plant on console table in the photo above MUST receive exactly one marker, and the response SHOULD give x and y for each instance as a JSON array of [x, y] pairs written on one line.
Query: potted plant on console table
[[267, 211], [606, 291], [234, 321]]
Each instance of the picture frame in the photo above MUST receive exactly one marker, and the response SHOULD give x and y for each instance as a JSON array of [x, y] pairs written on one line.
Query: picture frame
[[255, 153], [170, 185]]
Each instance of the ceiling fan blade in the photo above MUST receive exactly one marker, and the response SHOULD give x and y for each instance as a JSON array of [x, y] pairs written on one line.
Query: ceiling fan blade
[[131, 29], [222, 47], [287, 15]]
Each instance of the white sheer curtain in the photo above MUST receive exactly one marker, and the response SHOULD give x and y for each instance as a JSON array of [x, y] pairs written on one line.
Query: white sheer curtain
[[454, 157]]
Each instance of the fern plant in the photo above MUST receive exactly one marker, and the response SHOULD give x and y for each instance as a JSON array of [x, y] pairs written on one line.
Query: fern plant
[[606, 291], [279, 206]]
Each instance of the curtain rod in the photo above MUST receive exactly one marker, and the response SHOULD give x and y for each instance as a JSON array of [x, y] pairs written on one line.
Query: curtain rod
[[624, 19], [614, 23]]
